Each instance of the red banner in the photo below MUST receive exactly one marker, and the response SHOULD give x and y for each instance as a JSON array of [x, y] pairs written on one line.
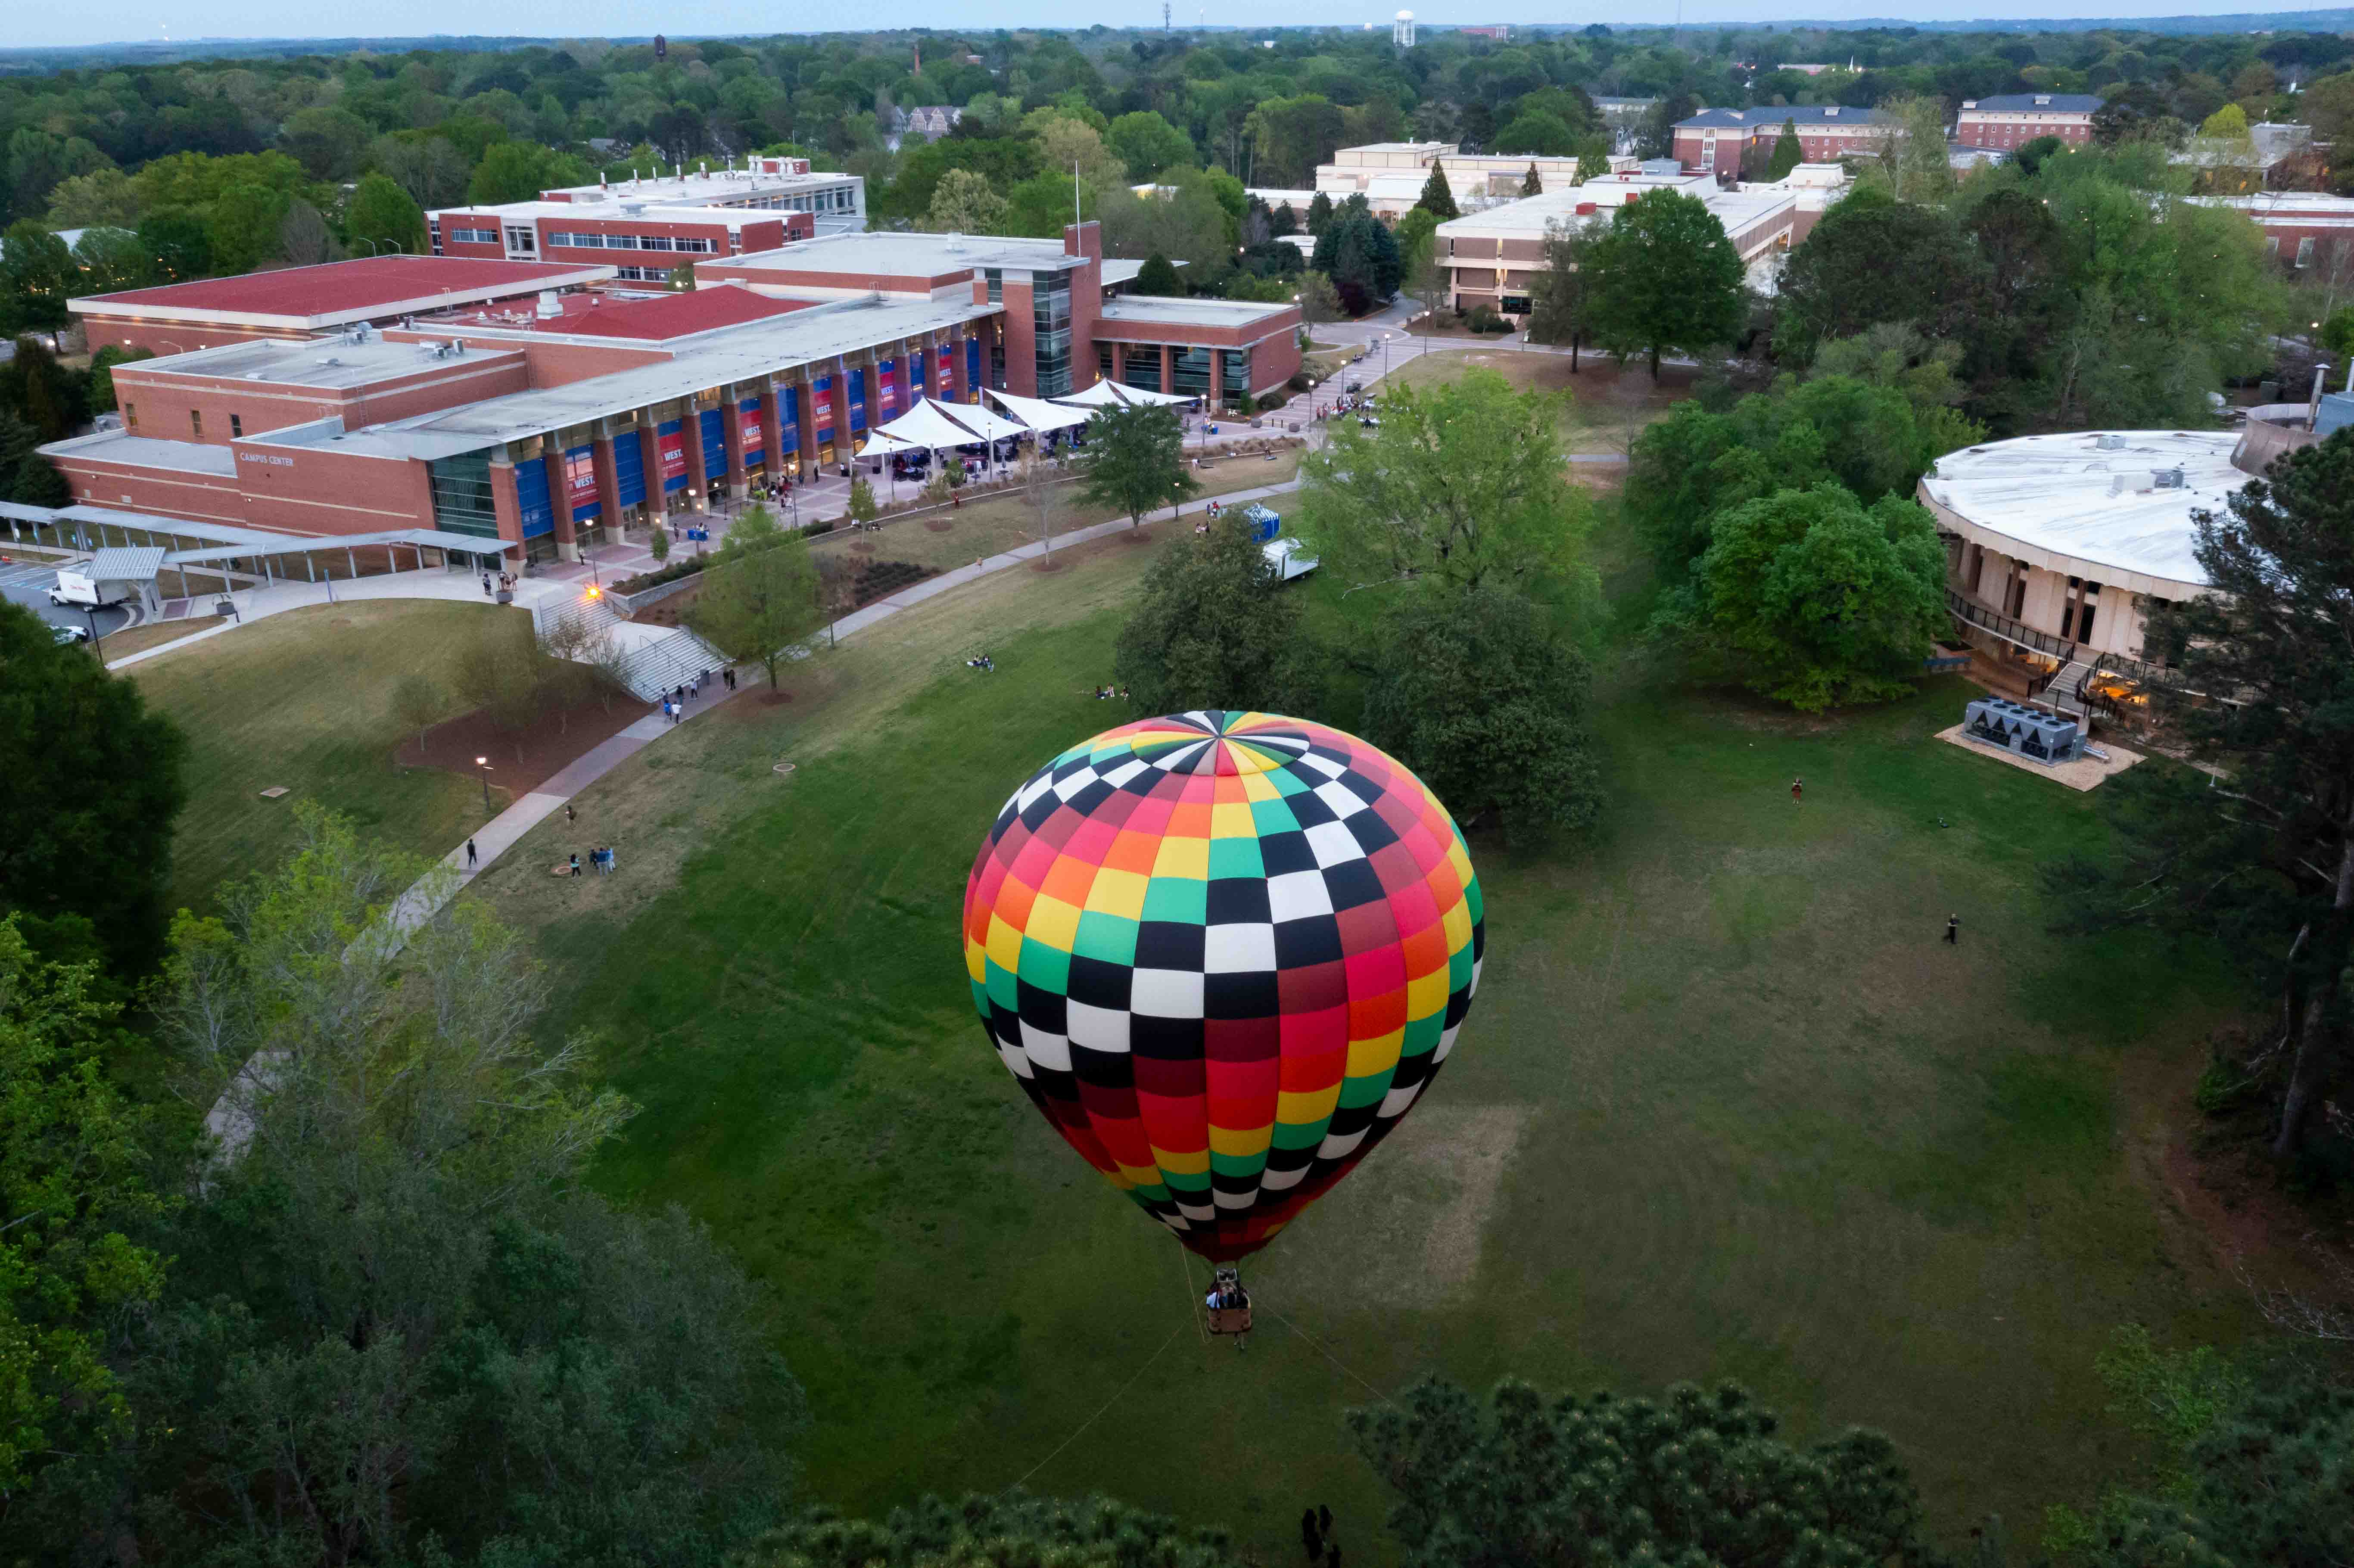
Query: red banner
[[673, 447], [580, 475], [749, 427], [823, 420], [885, 377]]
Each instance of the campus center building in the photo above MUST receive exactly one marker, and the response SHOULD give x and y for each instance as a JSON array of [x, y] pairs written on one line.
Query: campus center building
[[533, 420], [2010, 122]]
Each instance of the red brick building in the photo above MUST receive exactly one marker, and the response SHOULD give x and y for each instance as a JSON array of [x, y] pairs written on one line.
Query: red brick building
[[2015, 119], [639, 241], [301, 301], [533, 421], [1714, 141]]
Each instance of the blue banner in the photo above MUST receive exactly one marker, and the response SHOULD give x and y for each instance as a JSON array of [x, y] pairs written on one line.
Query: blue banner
[[630, 467], [530, 497], [714, 447]]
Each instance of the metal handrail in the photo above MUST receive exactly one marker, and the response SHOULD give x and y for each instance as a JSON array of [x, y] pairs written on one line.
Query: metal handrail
[[1967, 608]]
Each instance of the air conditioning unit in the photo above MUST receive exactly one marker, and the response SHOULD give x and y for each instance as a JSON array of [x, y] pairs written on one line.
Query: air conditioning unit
[[2110, 443], [2167, 479]]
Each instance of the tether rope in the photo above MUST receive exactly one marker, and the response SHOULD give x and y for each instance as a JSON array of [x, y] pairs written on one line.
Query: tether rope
[[1108, 1404]]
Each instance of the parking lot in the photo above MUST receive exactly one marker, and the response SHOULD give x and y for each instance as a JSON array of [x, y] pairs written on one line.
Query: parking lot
[[28, 582]]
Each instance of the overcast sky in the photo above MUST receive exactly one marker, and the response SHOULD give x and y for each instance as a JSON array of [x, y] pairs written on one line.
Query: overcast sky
[[31, 23]]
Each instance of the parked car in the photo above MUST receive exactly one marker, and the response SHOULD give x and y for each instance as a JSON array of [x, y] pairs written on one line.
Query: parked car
[[64, 634]]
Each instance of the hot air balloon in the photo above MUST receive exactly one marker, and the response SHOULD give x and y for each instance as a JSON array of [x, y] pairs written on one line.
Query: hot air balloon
[[1223, 953]]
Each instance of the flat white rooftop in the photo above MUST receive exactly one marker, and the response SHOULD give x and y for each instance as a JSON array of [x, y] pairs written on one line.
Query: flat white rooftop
[[327, 362], [698, 190], [625, 210], [907, 255], [2094, 511]]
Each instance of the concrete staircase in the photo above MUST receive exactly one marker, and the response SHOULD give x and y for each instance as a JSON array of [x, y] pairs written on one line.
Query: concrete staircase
[[2060, 694], [650, 661]]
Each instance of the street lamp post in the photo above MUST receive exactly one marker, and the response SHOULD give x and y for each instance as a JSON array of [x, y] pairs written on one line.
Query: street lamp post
[[485, 764], [96, 644]]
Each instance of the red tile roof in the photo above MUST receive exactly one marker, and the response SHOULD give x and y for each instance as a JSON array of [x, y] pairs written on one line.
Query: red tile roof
[[363, 289], [675, 316]]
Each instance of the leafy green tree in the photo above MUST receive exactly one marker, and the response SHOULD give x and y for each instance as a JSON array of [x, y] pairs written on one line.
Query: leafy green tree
[[680, 279], [1319, 214], [1360, 255], [36, 277], [1158, 279], [860, 508], [105, 197], [382, 212], [94, 784], [1480, 694], [107, 259], [1913, 155], [964, 203], [1531, 185], [1147, 143], [759, 596], [1134, 461], [1810, 599], [1213, 628], [71, 1197], [1592, 159], [1318, 301], [1878, 260], [1546, 134], [1701, 1476], [37, 483], [1564, 287], [1462, 484], [1437, 196], [397, 1299], [179, 242], [1788, 153], [518, 171], [1666, 279], [2338, 333], [327, 142], [246, 228], [1040, 206], [997, 1529], [48, 397]]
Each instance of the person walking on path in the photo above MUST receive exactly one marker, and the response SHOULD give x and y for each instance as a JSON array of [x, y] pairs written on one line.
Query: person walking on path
[[1797, 789], [470, 857], [575, 863], [1953, 931], [569, 814]]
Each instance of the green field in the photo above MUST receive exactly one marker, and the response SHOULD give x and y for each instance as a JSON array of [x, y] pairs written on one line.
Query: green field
[[1725, 1107], [304, 700]]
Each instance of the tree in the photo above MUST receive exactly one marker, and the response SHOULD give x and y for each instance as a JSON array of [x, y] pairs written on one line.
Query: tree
[[518, 171], [860, 508], [1147, 143], [1531, 185], [1318, 301], [1557, 312], [1358, 252], [996, 1529], [1481, 696], [1666, 279], [964, 203], [103, 198], [1134, 461], [1319, 214], [180, 243], [1067, 146], [327, 142], [680, 279], [1592, 160], [1158, 279], [382, 212], [302, 236], [1213, 628], [2135, 112], [247, 227], [48, 397], [397, 1299], [94, 784], [1437, 196], [1701, 1476], [1810, 599], [419, 703], [2271, 858], [70, 1191], [1788, 153], [38, 482], [759, 596], [1462, 484], [1540, 132], [1912, 152], [1656, 138], [1871, 258], [36, 277]]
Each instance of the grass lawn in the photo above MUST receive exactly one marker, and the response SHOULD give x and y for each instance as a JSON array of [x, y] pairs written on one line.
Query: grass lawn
[[304, 700], [1004, 521], [1725, 1107], [1608, 406]]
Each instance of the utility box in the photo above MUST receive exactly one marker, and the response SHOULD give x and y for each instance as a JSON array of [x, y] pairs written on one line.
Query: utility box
[[2023, 731]]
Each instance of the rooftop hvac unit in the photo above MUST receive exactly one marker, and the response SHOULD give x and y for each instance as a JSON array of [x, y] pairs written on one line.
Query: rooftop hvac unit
[[2110, 443], [2167, 479]]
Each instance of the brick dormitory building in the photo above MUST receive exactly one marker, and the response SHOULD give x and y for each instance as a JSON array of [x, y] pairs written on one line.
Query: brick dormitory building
[[532, 402]]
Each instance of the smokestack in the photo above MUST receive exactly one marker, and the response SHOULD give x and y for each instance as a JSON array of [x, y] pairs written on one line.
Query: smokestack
[[2320, 383]]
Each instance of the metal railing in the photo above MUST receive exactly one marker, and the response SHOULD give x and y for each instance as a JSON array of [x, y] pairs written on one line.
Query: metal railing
[[1971, 613]]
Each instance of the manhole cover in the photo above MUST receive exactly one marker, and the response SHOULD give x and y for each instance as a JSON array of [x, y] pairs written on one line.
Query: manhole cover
[[784, 767]]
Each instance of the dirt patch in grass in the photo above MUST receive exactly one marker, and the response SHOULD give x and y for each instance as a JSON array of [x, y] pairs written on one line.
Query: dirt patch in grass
[[521, 759], [937, 525]]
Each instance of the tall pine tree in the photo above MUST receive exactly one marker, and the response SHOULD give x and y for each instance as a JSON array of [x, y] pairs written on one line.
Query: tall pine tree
[[1437, 199], [1787, 154], [1532, 185]]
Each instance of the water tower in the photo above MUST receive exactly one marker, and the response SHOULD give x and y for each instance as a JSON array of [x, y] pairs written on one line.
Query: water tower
[[1402, 30]]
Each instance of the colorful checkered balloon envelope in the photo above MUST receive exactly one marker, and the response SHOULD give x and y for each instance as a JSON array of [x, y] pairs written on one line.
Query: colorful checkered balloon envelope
[[1223, 953]]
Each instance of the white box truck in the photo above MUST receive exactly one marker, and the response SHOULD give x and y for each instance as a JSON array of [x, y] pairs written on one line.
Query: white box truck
[[79, 587]]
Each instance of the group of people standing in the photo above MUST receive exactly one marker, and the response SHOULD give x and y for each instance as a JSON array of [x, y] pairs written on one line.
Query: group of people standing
[[1317, 1539], [602, 858], [675, 701]]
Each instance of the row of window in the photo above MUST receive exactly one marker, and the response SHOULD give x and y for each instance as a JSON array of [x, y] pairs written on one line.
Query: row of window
[[632, 242], [473, 237], [195, 422], [642, 274]]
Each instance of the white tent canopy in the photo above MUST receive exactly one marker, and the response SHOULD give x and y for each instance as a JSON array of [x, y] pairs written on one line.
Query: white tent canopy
[[1040, 415], [922, 429], [1118, 394], [1099, 396], [984, 425]]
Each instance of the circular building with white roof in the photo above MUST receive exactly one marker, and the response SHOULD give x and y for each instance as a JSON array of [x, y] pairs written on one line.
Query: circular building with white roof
[[2057, 547]]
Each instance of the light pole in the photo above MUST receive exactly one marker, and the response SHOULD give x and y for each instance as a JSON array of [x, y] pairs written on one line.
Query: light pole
[[485, 764], [96, 644]]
